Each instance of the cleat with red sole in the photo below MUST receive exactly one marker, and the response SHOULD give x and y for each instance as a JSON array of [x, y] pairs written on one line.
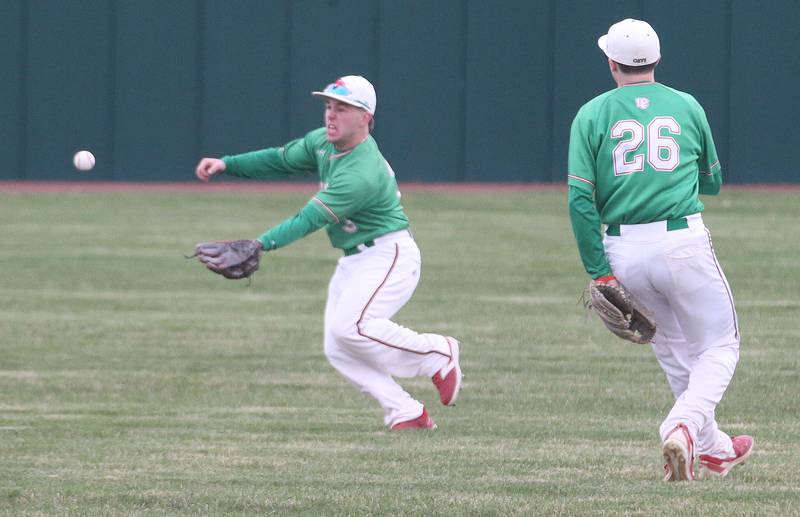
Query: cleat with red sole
[[678, 450], [448, 379], [424, 421], [711, 466]]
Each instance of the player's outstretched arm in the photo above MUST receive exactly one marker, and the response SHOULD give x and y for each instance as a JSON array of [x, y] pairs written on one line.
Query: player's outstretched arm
[[306, 221], [208, 168], [587, 229]]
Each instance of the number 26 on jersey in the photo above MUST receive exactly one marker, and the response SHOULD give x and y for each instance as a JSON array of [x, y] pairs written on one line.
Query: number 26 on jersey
[[660, 150]]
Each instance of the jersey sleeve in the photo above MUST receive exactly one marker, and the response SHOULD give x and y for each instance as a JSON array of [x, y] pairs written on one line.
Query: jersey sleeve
[[581, 171], [298, 157], [587, 229], [306, 221], [346, 193], [709, 168]]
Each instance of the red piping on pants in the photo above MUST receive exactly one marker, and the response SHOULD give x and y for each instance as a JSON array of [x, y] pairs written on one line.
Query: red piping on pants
[[364, 311]]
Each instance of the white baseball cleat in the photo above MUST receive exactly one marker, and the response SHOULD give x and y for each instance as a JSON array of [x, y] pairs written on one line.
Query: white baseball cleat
[[448, 379], [678, 451], [711, 466]]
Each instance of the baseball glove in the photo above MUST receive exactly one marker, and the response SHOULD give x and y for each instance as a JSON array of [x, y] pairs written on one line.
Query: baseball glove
[[231, 259], [620, 313]]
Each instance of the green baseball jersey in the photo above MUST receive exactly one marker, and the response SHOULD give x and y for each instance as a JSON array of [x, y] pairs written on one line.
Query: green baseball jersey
[[645, 149], [359, 199], [637, 154]]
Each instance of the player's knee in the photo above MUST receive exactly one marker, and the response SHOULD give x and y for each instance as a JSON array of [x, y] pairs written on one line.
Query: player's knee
[[332, 350], [344, 332]]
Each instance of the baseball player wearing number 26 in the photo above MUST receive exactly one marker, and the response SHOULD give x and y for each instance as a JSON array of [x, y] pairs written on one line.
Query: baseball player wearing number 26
[[359, 206], [639, 155]]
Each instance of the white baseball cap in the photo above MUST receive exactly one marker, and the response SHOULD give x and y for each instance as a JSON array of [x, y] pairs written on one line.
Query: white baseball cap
[[631, 42], [353, 90]]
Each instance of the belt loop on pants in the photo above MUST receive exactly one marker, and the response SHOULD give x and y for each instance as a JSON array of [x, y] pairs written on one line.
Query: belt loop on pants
[[357, 249], [391, 237], [681, 223], [677, 224]]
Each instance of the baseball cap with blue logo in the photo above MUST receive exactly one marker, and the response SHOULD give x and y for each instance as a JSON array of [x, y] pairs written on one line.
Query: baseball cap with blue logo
[[631, 42], [353, 90]]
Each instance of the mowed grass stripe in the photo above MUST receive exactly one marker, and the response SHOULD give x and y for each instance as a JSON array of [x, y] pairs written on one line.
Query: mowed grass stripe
[[134, 382]]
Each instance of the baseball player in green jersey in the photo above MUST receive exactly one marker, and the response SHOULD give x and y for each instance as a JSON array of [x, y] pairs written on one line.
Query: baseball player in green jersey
[[639, 155], [359, 206]]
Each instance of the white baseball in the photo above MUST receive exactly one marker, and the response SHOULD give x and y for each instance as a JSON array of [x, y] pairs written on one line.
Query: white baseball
[[83, 160]]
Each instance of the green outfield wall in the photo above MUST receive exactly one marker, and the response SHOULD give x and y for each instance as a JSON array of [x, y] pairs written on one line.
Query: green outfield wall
[[468, 91]]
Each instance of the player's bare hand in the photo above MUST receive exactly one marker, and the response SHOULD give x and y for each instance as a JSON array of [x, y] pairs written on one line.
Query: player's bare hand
[[209, 167]]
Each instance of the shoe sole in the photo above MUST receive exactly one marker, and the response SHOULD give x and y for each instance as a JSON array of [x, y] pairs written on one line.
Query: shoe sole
[[675, 457], [456, 351], [434, 426]]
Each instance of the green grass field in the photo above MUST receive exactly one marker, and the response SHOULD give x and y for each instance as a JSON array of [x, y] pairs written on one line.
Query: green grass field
[[134, 382]]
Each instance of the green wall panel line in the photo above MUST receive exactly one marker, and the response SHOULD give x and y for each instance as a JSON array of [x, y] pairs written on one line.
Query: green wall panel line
[[467, 90]]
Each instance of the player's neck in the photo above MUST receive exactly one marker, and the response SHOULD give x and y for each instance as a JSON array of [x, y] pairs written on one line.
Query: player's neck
[[351, 144], [628, 79]]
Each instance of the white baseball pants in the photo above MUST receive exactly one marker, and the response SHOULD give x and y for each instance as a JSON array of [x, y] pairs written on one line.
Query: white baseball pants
[[676, 275], [360, 340]]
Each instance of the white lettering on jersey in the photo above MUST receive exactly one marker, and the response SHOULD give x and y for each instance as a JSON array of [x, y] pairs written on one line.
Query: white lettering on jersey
[[349, 226], [389, 169], [635, 132], [642, 103], [391, 175], [663, 152]]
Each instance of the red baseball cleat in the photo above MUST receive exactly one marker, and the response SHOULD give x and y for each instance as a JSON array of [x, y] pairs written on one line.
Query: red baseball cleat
[[711, 466], [678, 451], [448, 379], [424, 421]]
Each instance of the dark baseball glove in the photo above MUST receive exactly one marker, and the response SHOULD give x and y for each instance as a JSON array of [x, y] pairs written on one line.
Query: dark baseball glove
[[620, 313], [231, 259]]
